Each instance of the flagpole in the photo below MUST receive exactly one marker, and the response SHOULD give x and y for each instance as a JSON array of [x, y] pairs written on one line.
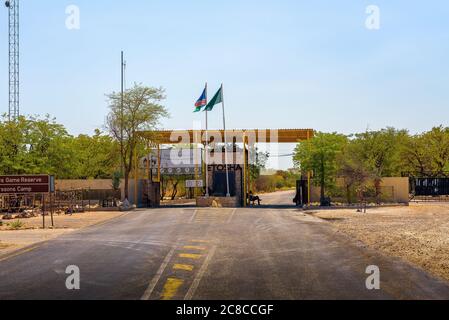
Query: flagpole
[[228, 194], [207, 152]]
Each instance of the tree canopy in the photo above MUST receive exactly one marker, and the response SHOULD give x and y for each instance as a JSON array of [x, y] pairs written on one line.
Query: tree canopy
[[39, 145], [373, 155], [320, 155], [138, 110]]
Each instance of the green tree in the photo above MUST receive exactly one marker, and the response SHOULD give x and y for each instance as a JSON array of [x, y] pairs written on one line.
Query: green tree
[[427, 154], [49, 148], [438, 142], [141, 111], [98, 156], [320, 156], [35, 145], [256, 164], [354, 172], [380, 153], [416, 155], [13, 146], [39, 145]]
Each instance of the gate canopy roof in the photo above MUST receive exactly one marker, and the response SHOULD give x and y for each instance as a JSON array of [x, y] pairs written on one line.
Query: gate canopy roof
[[254, 135]]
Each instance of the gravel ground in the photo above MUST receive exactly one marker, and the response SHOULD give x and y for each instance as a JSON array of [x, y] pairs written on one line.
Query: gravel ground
[[75, 221], [32, 231], [418, 234]]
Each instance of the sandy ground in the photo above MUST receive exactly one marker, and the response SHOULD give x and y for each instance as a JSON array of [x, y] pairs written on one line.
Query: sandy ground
[[418, 234], [32, 231]]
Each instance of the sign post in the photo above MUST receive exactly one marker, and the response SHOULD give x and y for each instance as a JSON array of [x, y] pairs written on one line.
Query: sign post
[[43, 211], [29, 185], [52, 199], [24, 184]]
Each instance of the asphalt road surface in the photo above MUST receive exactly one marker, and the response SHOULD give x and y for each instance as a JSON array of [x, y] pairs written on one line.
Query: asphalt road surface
[[281, 198], [188, 253]]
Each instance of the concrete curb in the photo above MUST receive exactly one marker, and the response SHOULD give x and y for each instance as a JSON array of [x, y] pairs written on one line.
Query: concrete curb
[[356, 207]]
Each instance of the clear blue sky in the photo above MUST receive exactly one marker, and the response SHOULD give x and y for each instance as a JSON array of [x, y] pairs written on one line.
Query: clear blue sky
[[285, 64]]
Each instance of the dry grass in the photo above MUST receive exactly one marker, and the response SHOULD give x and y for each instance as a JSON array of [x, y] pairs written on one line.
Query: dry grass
[[4, 245], [418, 234]]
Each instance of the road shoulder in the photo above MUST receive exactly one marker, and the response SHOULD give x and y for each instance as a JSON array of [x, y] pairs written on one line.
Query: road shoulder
[[16, 242]]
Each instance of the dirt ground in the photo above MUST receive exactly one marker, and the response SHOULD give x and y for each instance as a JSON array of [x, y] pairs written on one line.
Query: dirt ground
[[31, 232], [418, 234]]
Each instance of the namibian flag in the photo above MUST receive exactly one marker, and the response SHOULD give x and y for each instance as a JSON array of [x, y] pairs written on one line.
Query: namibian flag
[[202, 101]]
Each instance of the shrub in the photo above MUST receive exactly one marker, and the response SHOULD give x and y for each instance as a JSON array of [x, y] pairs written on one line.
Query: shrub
[[16, 225]]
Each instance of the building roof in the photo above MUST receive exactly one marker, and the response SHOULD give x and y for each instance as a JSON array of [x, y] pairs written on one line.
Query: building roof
[[254, 136]]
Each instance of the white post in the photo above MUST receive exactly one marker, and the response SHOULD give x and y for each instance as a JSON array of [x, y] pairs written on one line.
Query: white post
[[228, 194]]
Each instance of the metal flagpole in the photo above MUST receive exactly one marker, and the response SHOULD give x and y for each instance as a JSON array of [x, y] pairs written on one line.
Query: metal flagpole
[[228, 194], [122, 165], [207, 152]]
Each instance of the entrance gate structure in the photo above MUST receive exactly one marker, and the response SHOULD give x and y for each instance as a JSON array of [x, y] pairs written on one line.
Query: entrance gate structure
[[210, 140]]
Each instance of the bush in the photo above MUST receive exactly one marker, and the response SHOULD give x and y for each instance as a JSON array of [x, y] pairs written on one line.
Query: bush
[[279, 181], [16, 225]]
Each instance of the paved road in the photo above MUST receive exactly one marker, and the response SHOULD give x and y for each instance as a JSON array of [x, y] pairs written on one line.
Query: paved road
[[185, 253], [280, 198]]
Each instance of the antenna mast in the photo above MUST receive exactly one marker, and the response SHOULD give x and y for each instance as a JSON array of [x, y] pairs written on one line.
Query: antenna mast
[[13, 8]]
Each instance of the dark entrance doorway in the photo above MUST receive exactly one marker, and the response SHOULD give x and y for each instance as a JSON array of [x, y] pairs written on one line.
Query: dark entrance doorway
[[302, 193], [220, 184]]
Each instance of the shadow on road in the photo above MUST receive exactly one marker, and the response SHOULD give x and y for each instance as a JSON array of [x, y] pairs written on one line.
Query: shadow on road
[[274, 206]]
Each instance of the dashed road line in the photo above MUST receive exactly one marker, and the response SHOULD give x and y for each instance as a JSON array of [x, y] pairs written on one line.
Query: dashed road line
[[156, 278], [183, 267], [175, 285], [195, 248], [232, 215], [193, 216], [200, 274], [190, 256], [171, 287]]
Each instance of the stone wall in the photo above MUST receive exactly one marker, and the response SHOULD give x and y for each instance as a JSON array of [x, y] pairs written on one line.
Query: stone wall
[[218, 202], [399, 188]]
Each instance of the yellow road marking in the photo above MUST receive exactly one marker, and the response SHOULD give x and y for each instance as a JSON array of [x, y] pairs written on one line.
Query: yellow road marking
[[184, 267], [190, 256], [18, 253], [200, 274], [195, 248], [171, 287], [155, 280]]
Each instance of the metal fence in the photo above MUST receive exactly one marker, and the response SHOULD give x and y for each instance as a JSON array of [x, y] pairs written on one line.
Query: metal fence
[[19, 203], [79, 200], [428, 189], [62, 201]]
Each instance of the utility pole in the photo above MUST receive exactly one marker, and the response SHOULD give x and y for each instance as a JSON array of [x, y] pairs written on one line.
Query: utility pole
[[13, 9]]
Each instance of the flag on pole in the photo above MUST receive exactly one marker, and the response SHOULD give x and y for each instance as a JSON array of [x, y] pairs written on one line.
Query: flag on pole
[[202, 101], [218, 98]]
